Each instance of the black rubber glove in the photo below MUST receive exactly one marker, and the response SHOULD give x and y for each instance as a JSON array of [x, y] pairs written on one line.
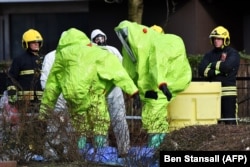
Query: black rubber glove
[[151, 94], [166, 92], [136, 101]]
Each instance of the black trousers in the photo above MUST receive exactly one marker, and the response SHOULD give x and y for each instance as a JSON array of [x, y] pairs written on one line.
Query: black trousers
[[229, 109]]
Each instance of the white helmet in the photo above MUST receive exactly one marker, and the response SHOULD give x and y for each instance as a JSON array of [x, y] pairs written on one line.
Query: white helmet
[[98, 33]]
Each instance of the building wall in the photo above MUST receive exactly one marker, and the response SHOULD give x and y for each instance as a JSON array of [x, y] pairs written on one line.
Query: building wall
[[183, 23], [50, 19], [246, 33], [196, 19]]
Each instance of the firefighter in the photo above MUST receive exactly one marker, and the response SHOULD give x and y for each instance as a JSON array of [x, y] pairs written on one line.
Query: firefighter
[[25, 70], [158, 64], [25, 92], [84, 73], [221, 64], [115, 99]]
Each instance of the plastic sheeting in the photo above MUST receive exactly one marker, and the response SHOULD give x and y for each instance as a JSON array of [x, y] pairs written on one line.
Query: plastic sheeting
[[137, 156]]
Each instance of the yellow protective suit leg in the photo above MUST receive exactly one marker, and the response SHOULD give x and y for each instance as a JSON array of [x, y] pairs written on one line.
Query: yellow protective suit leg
[[155, 116]]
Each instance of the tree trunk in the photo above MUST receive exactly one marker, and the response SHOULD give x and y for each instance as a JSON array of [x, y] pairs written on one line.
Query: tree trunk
[[135, 10]]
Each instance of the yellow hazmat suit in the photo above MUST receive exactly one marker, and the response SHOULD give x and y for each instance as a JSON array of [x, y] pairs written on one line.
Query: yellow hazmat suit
[[84, 74], [152, 60]]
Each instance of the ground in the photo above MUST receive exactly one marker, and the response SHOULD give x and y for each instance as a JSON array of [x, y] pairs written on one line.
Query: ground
[[196, 138], [209, 138]]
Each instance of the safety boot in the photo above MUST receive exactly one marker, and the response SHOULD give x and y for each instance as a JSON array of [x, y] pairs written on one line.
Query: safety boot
[[100, 141], [155, 140], [81, 142]]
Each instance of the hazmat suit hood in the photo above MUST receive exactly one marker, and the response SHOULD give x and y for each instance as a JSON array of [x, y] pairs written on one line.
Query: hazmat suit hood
[[96, 32], [71, 37], [152, 58]]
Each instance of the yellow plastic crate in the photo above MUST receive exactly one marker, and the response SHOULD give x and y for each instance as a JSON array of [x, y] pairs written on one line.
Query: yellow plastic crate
[[199, 104]]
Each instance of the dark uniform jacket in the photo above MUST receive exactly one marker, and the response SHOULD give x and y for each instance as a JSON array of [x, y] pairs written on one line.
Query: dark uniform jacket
[[24, 76], [226, 61]]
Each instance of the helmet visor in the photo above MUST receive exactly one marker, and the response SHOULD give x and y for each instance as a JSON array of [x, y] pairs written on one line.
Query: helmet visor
[[123, 35]]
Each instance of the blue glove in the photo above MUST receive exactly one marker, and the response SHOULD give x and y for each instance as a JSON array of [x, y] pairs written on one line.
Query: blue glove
[[136, 101], [166, 91]]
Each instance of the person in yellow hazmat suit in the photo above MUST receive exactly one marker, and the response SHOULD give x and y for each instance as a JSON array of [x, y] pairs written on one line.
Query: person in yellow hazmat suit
[[85, 74], [158, 64]]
